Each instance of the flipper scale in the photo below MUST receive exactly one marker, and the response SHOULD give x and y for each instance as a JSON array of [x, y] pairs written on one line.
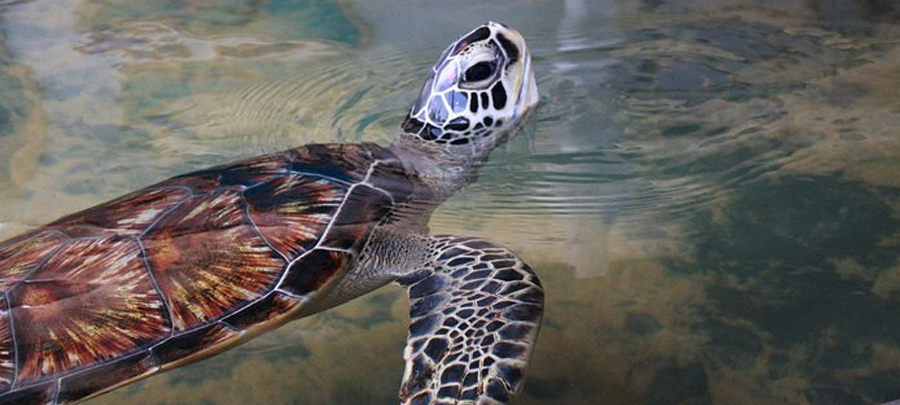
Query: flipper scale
[[475, 312]]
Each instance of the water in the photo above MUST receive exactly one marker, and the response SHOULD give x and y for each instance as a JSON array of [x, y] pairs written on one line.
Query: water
[[710, 189]]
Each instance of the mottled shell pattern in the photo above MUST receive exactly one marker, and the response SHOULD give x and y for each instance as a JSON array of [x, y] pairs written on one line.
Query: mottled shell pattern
[[185, 268]]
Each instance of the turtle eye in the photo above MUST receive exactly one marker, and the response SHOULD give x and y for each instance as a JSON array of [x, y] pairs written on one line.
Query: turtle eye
[[479, 71], [477, 74]]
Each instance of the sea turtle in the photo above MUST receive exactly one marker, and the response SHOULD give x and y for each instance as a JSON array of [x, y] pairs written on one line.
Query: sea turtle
[[188, 267]]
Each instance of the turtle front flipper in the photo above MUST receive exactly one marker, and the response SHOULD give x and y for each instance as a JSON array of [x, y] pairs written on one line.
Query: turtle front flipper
[[475, 312]]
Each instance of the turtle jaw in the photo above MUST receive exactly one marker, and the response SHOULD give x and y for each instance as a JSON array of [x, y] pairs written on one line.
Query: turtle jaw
[[528, 93], [528, 97]]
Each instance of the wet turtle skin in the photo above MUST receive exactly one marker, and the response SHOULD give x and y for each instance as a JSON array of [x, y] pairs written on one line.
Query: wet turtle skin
[[185, 268]]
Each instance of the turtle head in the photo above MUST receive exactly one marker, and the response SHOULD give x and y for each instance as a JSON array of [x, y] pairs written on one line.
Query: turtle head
[[478, 93]]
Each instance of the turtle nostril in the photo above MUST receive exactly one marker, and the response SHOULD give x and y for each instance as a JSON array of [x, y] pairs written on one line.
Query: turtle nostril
[[512, 51]]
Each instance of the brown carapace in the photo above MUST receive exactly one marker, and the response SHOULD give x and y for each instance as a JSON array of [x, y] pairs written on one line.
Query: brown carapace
[[184, 268]]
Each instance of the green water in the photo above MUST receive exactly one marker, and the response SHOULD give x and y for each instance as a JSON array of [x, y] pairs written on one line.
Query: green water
[[710, 190]]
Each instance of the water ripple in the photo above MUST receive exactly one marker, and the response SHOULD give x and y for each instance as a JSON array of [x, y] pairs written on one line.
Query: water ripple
[[340, 99]]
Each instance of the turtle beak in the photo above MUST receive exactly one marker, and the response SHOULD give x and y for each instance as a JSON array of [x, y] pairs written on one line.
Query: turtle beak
[[529, 92], [521, 70]]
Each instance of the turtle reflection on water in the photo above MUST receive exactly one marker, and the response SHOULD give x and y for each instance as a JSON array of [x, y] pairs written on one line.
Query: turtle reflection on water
[[196, 264]]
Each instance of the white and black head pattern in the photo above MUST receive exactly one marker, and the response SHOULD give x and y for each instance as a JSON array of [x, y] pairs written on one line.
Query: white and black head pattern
[[479, 90]]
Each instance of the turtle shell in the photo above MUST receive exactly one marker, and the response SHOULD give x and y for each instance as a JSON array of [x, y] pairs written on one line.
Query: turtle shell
[[185, 268]]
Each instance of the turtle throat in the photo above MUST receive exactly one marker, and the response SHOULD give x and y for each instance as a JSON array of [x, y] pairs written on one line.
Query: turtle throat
[[443, 168]]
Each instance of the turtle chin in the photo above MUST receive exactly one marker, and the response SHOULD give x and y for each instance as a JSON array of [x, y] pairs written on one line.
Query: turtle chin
[[527, 98], [529, 92]]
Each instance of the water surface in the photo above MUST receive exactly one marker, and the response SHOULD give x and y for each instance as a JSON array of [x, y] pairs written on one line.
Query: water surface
[[710, 190]]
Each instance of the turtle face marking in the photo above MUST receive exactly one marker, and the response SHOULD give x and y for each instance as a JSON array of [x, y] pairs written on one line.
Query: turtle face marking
[[478, 92]]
